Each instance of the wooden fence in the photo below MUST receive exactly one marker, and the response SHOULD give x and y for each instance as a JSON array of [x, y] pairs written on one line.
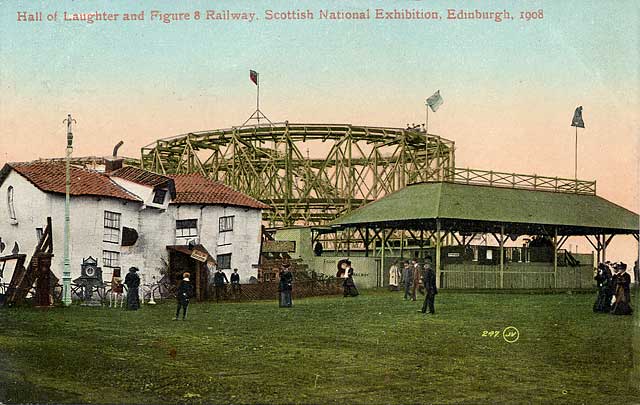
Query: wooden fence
[[269, 290], [517, 276]]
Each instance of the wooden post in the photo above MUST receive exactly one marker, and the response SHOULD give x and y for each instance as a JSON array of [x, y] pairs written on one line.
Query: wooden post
[[438, 253], [501, 255], [555, 257], [378, 283], [198, 297], [366, 242]]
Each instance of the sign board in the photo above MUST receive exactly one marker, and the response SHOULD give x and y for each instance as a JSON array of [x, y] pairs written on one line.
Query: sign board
[[278, 246], [199, 256], [453, 254]]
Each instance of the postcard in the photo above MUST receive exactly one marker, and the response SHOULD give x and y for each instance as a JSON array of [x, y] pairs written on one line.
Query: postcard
[[328, 201]]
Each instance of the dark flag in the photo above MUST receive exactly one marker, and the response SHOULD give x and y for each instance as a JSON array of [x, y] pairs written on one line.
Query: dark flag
[[253, 75], [577, 118], [435, 101]]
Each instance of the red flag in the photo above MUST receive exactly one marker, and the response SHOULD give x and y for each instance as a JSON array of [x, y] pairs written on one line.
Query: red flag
[[253, 75]]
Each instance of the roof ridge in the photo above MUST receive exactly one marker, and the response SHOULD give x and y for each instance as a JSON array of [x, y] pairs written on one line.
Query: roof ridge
[[36, 177]]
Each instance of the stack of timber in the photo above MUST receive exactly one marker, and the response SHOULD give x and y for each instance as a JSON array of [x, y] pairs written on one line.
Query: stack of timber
[[37, 273]]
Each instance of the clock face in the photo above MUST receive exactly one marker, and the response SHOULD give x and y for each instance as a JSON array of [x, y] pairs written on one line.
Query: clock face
[[90, 271]]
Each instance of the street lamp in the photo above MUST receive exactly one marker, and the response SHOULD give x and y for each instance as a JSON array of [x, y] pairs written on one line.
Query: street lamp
[[66, 274]]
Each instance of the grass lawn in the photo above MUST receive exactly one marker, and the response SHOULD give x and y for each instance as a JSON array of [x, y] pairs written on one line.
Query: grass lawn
[[375, 348]]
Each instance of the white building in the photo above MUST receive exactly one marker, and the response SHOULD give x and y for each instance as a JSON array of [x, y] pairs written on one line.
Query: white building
[[129, 217]]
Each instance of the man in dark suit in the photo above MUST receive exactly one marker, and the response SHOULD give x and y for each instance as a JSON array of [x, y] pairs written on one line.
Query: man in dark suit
[[407, 278], [430, 288], [285, 286], [219, 280], [235, 283]]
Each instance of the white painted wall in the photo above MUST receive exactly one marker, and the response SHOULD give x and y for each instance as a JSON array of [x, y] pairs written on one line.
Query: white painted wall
[[156, 230], [243, 242]]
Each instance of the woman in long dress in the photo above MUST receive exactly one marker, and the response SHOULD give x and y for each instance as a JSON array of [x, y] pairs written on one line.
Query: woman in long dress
[[132, 281], [350, 289], [622, 280], [603, 282], [394, 276]]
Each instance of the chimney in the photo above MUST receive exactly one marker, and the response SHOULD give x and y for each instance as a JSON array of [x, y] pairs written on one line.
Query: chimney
[[113, 163]]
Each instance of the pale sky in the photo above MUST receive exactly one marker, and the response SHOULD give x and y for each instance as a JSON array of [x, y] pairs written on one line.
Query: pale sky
[[509, 88]]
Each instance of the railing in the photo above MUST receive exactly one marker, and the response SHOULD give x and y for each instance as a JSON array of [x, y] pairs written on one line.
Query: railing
[[520, 181]]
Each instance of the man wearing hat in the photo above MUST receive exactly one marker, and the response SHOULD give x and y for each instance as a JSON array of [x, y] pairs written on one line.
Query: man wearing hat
[[132, 281], [285, 287], [235, 283], [429, 280], [183, 294], [407, 278], [219, 280]]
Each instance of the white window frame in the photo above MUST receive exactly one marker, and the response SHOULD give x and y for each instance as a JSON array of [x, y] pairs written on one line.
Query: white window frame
[[156, 194], [220, 262], [10, 204], [186, 231], [110, 258], [225, 224], [112, 229]]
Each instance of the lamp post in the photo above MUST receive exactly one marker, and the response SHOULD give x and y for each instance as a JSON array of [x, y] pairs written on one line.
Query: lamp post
[[66, 274]]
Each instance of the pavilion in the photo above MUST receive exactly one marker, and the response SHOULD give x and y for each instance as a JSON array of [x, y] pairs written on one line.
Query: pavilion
[[458, 210]]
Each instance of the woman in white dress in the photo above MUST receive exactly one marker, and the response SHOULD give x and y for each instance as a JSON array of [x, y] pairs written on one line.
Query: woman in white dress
[[394, 276]]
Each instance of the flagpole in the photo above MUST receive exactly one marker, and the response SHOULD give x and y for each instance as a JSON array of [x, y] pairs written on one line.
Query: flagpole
[[576, 155], [258, 97], [426, 145], [426, 122]]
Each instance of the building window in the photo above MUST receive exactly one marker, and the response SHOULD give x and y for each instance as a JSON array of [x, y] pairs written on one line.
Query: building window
[[111, 227], [110, 259], [10, 205], [158, 197], [224, 261], [186, 228], [39, 234], [226, 224]]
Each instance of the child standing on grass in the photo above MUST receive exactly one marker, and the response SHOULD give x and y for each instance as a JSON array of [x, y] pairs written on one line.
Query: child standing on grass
[[183, 294]]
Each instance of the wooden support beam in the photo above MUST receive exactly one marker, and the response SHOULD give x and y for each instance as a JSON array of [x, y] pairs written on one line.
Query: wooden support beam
[[501, 255], [457, 240], [605, 244], [555, 257], [438, 242], [597, 248], [366, 242], [562, 241], [608, 241]]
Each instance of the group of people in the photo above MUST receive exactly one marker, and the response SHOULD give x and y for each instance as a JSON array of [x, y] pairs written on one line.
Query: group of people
[[219, 284], [132, 281], [185, 290], [614, 294], [285, 285], [415, 277]]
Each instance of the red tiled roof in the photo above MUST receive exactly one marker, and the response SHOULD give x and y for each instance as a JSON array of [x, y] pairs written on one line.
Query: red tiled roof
[[140, 176], [51, 177], [197, 189]]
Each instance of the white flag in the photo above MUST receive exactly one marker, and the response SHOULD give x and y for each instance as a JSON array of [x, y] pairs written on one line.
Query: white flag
[[435, 101]]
